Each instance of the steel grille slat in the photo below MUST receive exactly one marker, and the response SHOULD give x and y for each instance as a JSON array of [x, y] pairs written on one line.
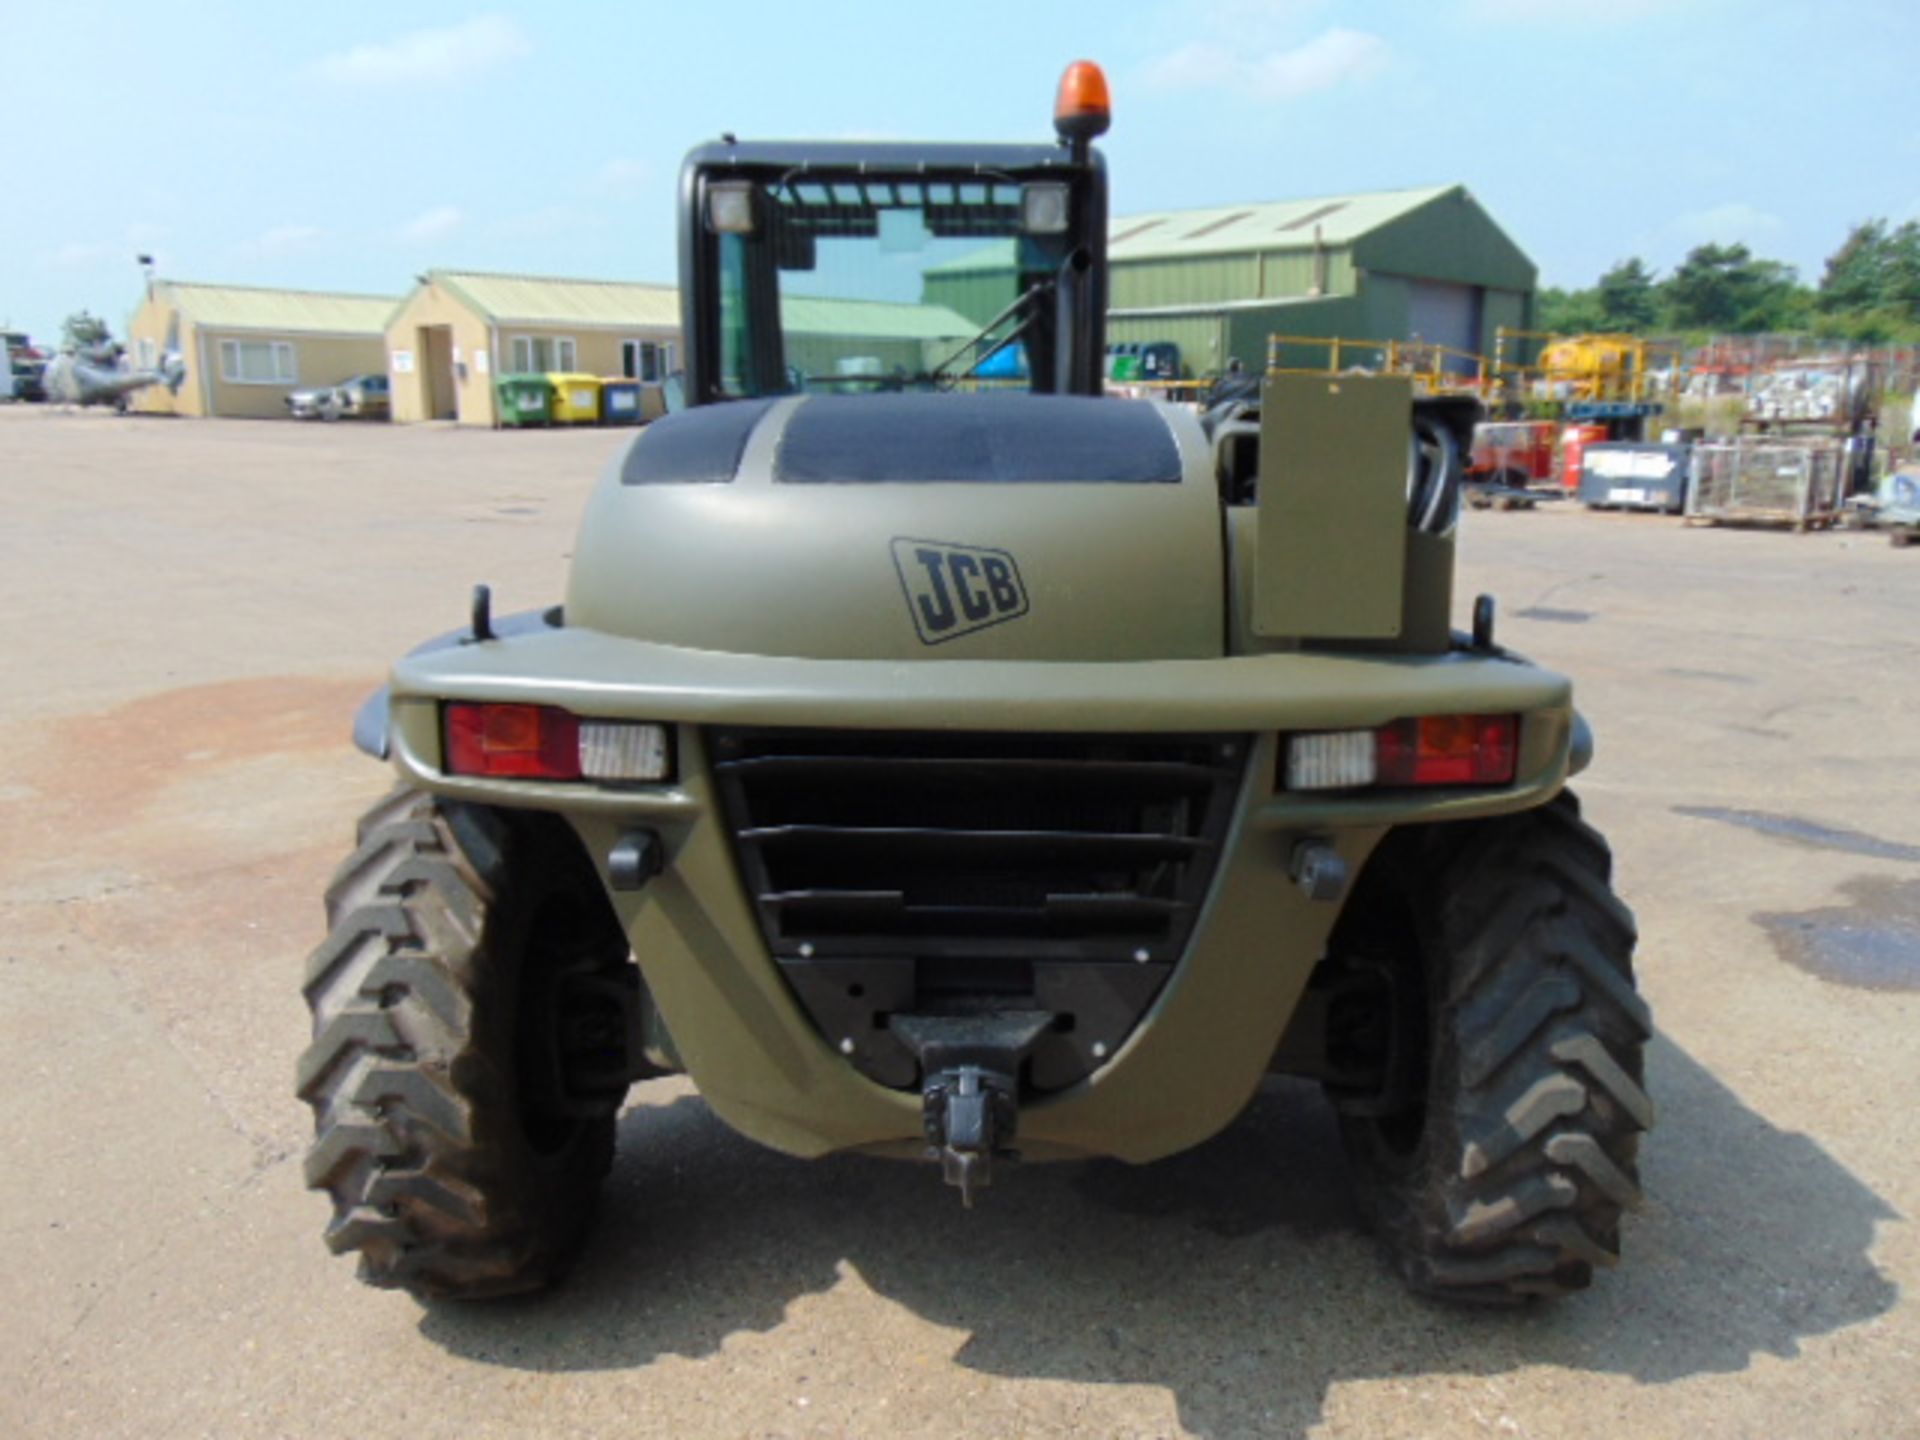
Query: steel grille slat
[[888, 912], [969, 844], [1009, 846], [1059, 904], [1170, 774]]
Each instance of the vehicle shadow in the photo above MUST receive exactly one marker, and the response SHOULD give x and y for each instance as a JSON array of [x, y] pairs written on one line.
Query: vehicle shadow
[[1234, 1276]]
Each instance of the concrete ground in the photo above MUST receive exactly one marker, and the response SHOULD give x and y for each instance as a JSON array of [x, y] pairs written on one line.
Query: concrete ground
[[193, 610]]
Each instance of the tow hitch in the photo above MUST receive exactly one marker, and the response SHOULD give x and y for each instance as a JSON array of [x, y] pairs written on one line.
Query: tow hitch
[[970, 1093]]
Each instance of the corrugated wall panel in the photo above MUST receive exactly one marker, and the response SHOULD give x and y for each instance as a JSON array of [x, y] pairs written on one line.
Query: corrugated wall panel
[[1208, 280], [978, 295], [1501, 307], [1386, 309], [1294, 272], [1151, 284], [1248, 331]]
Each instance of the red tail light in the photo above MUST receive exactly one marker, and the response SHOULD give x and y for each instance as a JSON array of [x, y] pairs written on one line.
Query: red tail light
[[1448, 750], [1424, 750], [528, 742]]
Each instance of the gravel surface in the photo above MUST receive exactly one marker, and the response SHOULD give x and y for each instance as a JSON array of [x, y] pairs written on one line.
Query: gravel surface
[[195, 609]]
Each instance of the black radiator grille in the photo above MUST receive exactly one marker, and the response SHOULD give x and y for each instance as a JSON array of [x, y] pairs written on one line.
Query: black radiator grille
[[952, 845]]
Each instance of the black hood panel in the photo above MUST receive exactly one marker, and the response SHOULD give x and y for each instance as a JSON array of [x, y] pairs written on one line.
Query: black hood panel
[[693, 447], [980, 439]]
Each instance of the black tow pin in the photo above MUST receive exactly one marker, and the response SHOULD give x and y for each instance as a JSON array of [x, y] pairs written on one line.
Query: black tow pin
[[971, 1134], [1483, 623]]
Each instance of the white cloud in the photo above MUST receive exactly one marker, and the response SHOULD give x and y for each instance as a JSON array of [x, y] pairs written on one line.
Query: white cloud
[[78, 254], [1734, 222], [1330, 59], [432, 225], [280, 240], [454, 52], [550, 223], [623, 172]]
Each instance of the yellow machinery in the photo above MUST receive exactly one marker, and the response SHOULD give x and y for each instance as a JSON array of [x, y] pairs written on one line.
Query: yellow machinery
[[1580, 369]]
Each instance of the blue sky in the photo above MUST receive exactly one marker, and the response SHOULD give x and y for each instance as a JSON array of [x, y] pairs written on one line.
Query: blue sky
[[350, 146]]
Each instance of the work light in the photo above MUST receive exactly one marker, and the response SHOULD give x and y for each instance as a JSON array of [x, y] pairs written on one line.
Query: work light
[[730, 207], [1043, 208]]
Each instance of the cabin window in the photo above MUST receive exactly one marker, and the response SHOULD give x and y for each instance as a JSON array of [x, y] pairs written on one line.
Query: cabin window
[[537, 354], [648, 361], [257, 362]]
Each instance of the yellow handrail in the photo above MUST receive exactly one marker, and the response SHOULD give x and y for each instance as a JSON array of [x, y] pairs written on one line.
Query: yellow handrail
[[1430, 364]]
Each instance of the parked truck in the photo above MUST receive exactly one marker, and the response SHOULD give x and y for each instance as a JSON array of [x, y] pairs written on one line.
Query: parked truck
[[24, 368]]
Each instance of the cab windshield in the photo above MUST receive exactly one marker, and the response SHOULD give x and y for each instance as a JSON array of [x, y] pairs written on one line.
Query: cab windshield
[[856, 283]]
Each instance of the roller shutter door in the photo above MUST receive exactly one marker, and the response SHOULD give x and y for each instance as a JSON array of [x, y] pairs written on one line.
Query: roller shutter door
[[1444, 314]]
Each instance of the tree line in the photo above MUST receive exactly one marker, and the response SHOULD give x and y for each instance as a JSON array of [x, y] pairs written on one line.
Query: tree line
[[1869, 293]]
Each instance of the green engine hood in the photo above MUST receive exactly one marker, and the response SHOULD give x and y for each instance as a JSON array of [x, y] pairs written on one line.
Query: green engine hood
[[911, 527]]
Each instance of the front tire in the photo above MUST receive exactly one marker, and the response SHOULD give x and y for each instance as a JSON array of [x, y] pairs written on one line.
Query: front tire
[[1504, 1172], [458, 1162]]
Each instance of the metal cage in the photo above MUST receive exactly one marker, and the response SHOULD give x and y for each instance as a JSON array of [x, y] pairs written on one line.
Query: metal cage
[[1775, 482]]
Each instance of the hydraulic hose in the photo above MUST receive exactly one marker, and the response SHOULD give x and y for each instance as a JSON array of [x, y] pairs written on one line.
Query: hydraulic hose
[[1433, 477]]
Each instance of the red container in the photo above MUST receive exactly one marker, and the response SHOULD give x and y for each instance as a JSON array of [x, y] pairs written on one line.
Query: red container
[[1518, 452], [1573, 451]]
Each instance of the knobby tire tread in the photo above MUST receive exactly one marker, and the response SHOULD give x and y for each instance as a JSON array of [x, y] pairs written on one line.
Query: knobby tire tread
[[416, 1137], [1536, 1097]]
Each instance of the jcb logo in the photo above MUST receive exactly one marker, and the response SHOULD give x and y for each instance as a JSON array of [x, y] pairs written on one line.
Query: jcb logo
[[953, 590]]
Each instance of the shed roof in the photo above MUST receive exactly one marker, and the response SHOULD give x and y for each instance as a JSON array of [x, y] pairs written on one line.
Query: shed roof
[[550, 300], [872, 319], [283, 312], [1235, 229], [1272, 225], [628, 304]]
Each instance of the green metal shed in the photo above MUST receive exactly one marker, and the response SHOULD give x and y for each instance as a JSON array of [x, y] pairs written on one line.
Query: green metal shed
[[828, 336], [1428, 264]]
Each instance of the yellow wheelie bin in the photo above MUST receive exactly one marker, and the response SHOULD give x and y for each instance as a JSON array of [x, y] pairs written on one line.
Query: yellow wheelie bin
[[576, 398]]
